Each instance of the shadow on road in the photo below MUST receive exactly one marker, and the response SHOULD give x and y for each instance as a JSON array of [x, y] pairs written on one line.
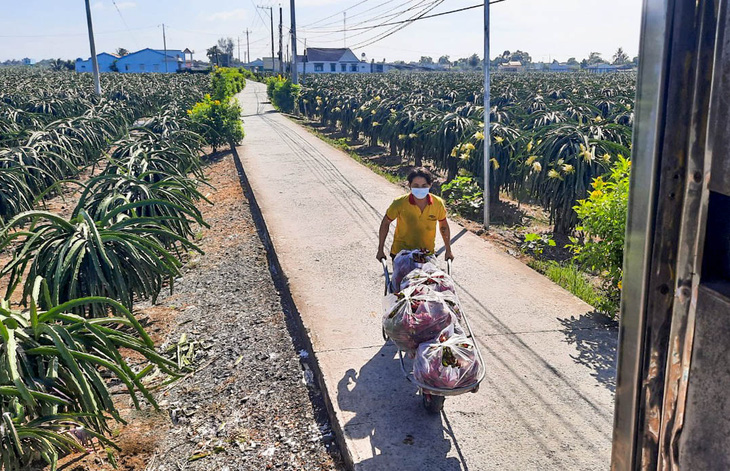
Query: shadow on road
[[389, 414], [596, 338]]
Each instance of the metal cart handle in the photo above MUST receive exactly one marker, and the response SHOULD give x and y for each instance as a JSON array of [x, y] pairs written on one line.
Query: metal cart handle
[[387, 275]]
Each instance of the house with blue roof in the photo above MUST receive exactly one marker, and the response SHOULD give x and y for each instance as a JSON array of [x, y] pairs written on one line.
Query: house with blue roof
[[145, 60], [104, 59]]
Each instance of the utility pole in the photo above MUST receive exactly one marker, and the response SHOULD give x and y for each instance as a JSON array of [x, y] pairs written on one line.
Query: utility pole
[[487, 111], [344, 26], [94, 62], [294, 73], [239, 48], [271, 17], [248, 48], [281, 53], [164, 44]]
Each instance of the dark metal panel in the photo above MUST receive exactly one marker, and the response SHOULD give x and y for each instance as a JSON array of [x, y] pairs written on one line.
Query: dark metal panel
[[705, 440], [690, 240], [648, 133], [720, 135], [720, 176], [671, 176]]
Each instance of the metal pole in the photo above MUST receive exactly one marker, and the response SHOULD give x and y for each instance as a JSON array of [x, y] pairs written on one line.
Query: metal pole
[[487, 110], [164, 44], [248, 48], [238, 38], [281, 42], [294, 72], [94, 62], [271, 17]]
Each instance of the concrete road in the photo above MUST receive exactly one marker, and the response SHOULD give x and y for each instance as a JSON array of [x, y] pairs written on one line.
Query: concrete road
[[547, 400]]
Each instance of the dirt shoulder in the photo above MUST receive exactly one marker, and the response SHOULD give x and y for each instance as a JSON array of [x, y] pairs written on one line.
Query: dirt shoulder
[[247, 405]]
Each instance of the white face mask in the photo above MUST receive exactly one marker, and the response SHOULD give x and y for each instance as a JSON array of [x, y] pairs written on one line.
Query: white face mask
[[419, 193]]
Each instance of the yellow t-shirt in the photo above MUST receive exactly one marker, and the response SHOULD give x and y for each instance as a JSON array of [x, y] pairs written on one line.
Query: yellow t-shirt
[[415, 229]]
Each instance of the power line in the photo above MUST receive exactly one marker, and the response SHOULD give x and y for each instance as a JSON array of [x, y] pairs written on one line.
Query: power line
[[365, 30], [411, 20], [400, 25], [336, 14], [386, 14], [134, 39]]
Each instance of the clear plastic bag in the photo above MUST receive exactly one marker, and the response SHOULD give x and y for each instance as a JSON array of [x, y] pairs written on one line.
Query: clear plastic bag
[[408, 260], [435, 279], [416, 315], [448, 361]]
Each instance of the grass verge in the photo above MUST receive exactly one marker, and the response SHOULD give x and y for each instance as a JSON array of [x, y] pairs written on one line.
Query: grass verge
[[569, 277]]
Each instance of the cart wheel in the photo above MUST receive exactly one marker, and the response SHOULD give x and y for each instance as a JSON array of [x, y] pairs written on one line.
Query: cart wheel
[[385, 336], [433, 404]]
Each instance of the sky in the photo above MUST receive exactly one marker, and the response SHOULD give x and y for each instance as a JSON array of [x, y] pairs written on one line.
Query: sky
[[547, 29]]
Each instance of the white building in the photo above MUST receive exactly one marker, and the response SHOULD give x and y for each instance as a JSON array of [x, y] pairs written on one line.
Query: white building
[[324, 60]]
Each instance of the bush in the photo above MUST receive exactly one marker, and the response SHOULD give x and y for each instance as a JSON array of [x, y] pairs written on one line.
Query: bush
[[226, 82], [603, 223], [282, 93], [464, 194], [218, 121]]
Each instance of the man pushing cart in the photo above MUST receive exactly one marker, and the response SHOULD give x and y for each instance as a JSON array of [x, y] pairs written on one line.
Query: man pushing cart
[[416, 214], [422, 312]]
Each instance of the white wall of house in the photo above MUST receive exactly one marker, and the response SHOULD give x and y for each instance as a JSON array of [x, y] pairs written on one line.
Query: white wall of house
[[104, 59], [333, 67], [148, 60]]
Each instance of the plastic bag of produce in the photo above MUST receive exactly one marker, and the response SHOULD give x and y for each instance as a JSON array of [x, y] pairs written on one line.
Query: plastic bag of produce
[[437, 280], [416, 315], [408, 260], [449, 361]]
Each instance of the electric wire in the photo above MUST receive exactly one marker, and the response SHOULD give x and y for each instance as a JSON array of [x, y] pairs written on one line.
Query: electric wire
[[336, 14], [365, 30]]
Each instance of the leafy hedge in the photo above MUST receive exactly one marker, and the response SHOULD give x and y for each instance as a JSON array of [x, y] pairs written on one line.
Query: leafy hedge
[[218, 117], [282, 93], [602, 219], [227, 81]]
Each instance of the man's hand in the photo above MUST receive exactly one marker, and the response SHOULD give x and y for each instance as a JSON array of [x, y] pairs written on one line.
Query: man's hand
[[449, 255], [381, 255]]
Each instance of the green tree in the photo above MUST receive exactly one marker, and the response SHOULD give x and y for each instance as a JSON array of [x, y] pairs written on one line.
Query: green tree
[[425, 60], [121, 52], [573, 61], [473, 61], [225, 45], [214, 55], [521, 56], [595, 58], [59, 65], [444, 60], [620, 57]]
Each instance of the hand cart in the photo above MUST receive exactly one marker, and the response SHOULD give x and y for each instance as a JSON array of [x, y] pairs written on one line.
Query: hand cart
[[433, 398]]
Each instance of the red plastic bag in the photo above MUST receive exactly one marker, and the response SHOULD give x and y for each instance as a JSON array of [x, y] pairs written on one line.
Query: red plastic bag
[[408, 260], [449, 361], [437, 280], [416, 315]]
